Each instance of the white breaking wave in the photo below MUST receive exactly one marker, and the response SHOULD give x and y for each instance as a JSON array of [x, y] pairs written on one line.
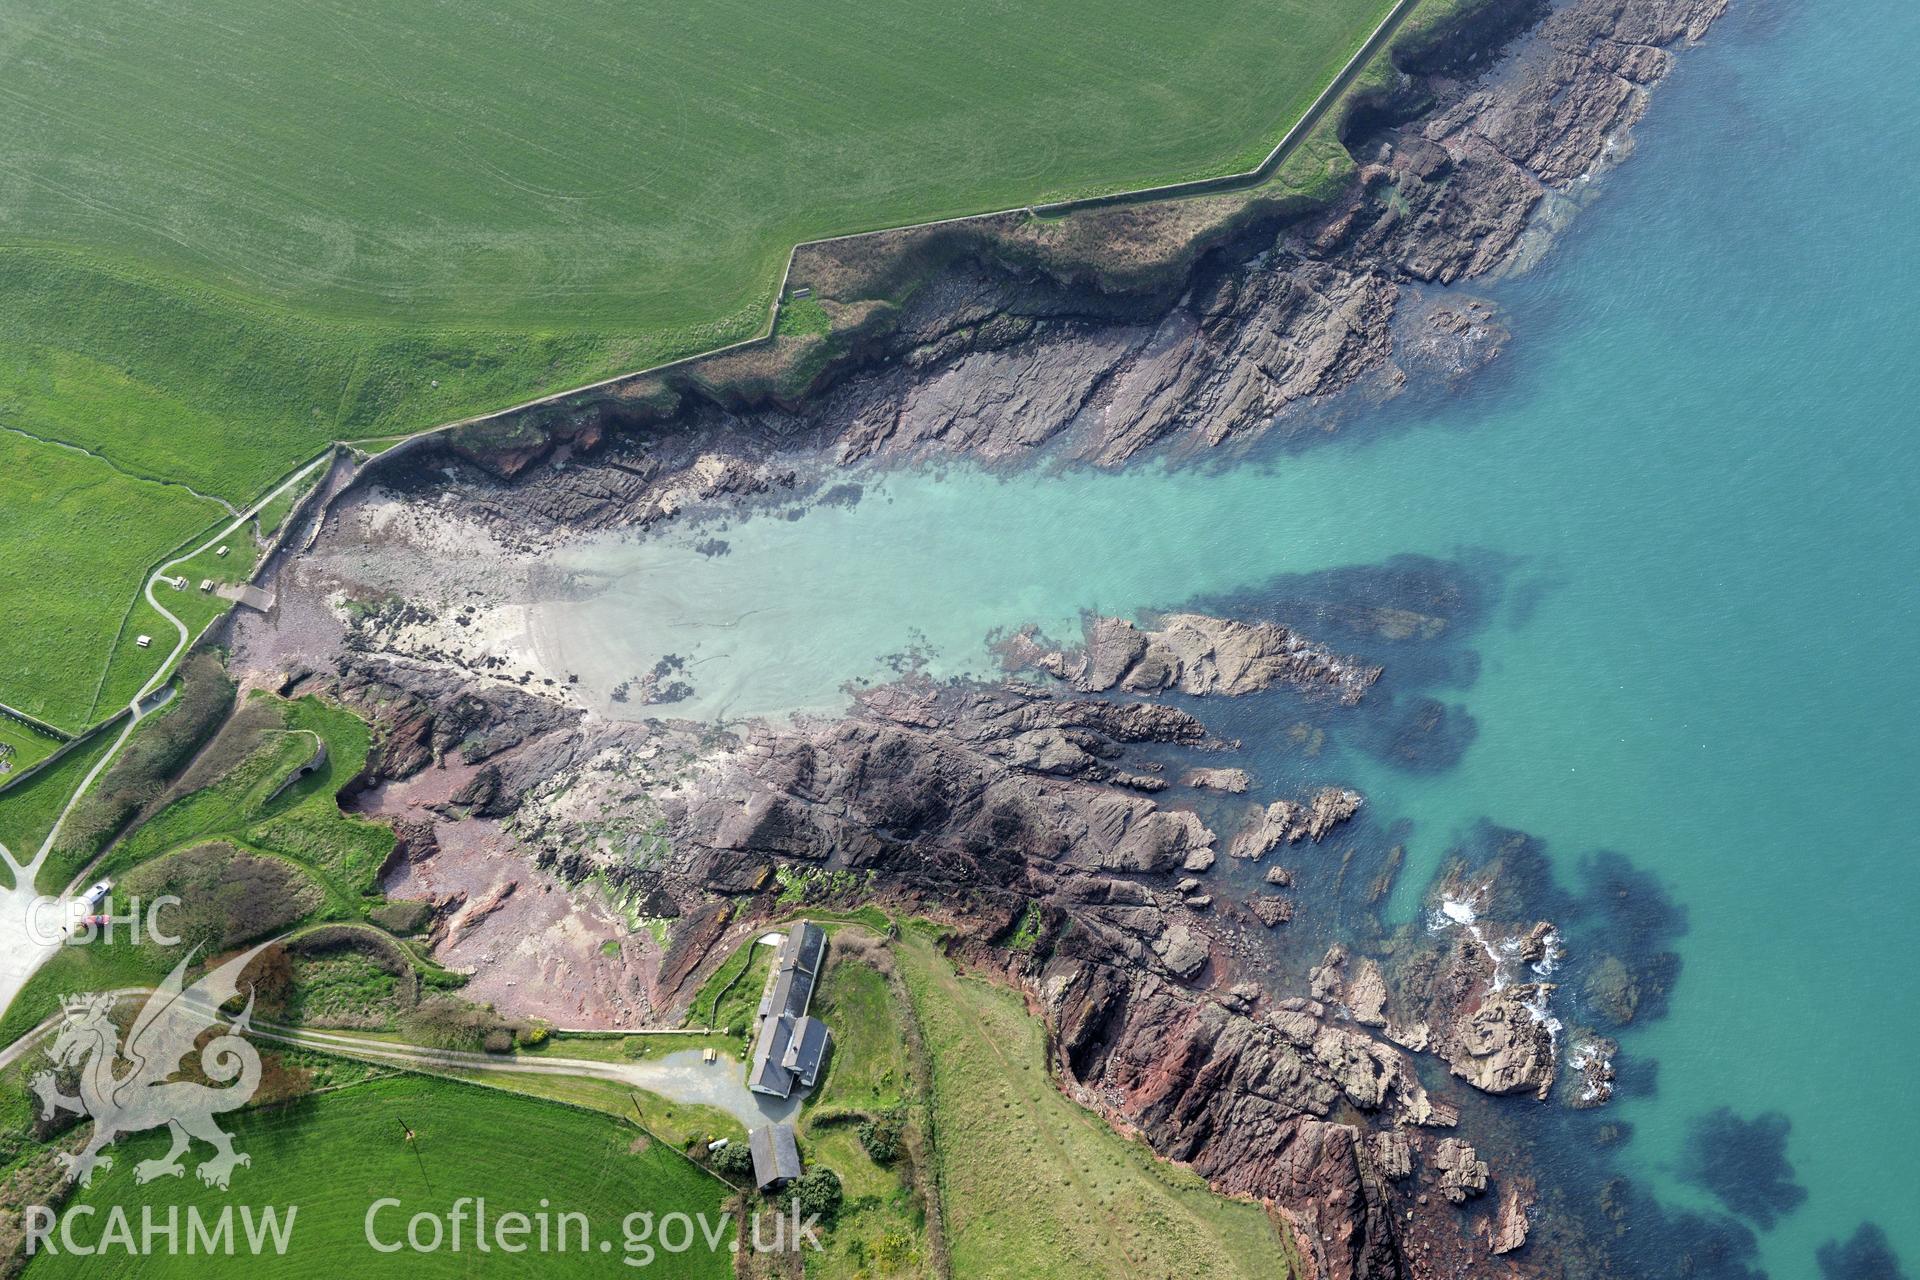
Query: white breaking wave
[[1462, 913]]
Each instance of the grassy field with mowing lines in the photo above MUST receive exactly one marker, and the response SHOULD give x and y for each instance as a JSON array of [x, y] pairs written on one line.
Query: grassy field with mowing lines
[[333, 1155], [266, 226]]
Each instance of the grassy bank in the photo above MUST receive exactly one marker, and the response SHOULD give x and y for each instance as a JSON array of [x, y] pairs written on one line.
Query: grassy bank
[[1035, 1185]]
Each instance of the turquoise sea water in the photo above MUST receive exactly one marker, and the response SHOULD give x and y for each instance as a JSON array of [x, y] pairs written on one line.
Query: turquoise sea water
[[1696, 477]]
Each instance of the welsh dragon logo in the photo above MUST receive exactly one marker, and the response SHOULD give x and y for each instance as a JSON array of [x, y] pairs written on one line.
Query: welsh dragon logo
[[169, 1027]]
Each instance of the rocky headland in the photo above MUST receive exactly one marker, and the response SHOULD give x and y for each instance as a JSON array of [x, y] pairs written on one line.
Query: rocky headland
[[1000, 808]]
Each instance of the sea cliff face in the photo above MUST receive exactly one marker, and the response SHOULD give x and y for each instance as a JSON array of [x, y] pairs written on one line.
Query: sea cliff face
[[980, 802]]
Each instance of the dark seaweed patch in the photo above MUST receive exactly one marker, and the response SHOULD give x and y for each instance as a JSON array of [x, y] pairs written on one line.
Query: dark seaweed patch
[[1624, 923], [1640, 914], [1635, 1076], [1409, 600], [1867, 1256], [1744, 1163], [1419, 734], [1649, 1240], [1524, 597]]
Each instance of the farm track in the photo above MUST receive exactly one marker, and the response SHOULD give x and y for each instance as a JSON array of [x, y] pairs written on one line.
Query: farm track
[[675, 1085]]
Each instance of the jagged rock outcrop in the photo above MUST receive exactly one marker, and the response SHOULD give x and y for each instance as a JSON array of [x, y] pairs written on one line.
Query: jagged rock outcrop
[[1462, 1172], [1231, 781], [1359, 987], [1287, 822], [1507, 1229], [1199, 655], [1506, 1045], [1246, 1101], [1271, 909]]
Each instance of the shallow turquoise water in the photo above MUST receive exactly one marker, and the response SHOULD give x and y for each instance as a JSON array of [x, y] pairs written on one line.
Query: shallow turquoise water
[[1698, 465]]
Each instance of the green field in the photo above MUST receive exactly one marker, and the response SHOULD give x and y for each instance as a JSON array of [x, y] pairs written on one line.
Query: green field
[[334, 1154], [29, 810], [22, 745], [76, 541], [268, 226]]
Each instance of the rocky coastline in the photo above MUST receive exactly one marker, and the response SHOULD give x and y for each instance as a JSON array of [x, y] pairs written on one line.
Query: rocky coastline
[[1001, 808], [986, 804]]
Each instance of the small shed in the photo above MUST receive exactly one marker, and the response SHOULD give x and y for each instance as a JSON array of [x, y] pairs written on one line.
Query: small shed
[[776, 1156]]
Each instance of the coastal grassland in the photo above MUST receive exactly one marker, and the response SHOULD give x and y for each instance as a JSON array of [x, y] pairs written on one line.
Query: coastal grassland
[[23, 745], [159, 748], [729, 998], [195, 607], [868, 1068], [252, 846], [254, 799], [342, 989], [334, 1154], [1032, 1184], [77, 540], [869, 1085], [176, 378], [274, 514], [685, 1126], [615, 1046], [253, 228], [30, 807]]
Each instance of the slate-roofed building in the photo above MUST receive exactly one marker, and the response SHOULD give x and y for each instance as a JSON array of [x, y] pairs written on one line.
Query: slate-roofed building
[[806, 1046], [776, 1156], [789, 1046]]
